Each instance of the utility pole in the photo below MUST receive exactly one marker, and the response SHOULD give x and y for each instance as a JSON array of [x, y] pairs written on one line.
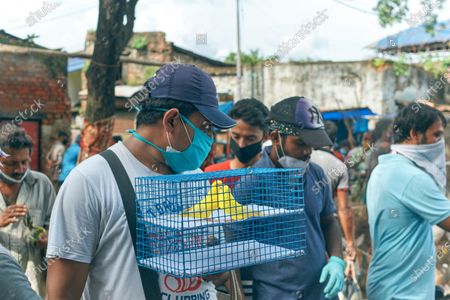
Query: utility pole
[[238, 55]]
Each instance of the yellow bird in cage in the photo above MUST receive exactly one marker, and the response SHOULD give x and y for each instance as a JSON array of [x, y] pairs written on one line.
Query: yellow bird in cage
[[219, 197]]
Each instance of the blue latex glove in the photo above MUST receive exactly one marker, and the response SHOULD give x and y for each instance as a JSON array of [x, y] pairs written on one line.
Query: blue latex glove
[[334, 272]]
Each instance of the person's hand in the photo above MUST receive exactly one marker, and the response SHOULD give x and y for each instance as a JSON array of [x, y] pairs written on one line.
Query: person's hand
[[350, 252], [12, 214], [350, 256], [350, 269], [334, 272], [217, 279], [42, 241]]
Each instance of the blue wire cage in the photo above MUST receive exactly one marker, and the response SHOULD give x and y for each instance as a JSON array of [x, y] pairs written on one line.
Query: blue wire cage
[[198, 224]]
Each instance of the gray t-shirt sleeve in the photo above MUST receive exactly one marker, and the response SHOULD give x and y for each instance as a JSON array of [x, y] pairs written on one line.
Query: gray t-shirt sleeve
[[13, 282], [343, 179], [75, 222], [328, 206]]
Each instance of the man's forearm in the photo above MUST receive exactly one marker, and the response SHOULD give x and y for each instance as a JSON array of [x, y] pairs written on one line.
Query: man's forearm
[[66, 279], [333, 235], [345, 217], [346, 220]]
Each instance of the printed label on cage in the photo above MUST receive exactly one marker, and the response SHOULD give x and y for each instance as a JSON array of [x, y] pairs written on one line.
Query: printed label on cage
[[163, 208], [170, 241]]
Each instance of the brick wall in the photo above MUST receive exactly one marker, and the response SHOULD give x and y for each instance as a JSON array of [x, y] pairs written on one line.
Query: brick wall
[[33, 87], [157, 49]]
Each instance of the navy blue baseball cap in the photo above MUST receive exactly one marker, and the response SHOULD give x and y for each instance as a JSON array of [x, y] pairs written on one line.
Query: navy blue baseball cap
[[299, 117], [188, 83]]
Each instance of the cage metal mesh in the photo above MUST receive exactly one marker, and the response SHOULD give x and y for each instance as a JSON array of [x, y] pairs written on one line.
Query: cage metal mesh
[[199, 224]]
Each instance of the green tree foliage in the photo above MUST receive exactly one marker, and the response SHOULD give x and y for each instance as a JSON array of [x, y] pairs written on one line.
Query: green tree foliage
[[396, 11], [436, 66], [252, 58], [401, 67], [139, 43]]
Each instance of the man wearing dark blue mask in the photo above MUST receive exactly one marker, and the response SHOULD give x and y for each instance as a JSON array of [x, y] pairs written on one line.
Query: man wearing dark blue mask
[[173, 135], [295, 127], [247, 136]]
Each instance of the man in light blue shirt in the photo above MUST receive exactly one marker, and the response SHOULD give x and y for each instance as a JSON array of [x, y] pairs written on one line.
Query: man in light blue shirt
[[405, 197]]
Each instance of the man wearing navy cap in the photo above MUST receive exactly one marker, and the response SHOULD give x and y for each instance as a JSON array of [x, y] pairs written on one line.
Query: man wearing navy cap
[[89, 239], [296, 126]]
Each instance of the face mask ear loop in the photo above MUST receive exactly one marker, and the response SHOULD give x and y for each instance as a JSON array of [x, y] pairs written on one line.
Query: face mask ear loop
[[281, 146], [276, 150], [168, 139], [185, 129]]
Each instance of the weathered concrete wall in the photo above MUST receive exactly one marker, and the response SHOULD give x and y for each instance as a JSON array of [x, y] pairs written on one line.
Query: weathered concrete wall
[[336, 85], [329, 85], [225, 83]]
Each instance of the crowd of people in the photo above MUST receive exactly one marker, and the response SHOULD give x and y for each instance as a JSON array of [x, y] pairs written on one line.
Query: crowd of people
[[72, 234]]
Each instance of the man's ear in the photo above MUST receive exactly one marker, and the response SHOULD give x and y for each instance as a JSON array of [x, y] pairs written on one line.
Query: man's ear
[[414, 137], [275, 137], [169, 119]]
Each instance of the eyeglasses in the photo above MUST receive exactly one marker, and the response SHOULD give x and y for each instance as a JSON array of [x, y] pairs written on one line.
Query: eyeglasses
[[206, 126]]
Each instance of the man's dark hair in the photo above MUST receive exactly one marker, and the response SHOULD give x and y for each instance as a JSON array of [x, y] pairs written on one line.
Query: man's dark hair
[[331, 129], [418, 117], [16, 139], [382, 126], [117, 138], [62, 134], [148, 115], [78, 139], [252, 112]]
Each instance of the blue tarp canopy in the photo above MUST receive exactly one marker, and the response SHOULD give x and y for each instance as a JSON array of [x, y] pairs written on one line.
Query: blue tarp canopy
[[226, 107], [74, 64], [353, 113]]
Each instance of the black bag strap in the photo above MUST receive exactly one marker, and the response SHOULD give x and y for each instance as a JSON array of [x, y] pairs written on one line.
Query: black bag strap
[[149, 278]]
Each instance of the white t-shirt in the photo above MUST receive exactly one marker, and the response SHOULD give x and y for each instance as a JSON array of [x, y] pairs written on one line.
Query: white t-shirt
[[89, 225], [173, 288]]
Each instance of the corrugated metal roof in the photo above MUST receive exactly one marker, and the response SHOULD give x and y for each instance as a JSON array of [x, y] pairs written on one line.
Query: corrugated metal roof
[[415, 36], [9, 39]]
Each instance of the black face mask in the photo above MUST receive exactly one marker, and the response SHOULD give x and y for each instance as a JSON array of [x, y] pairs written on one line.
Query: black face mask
[[246, 153]]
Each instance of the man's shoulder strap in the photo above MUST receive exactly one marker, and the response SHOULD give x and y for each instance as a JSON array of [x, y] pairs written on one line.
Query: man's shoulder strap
[[149, 278]]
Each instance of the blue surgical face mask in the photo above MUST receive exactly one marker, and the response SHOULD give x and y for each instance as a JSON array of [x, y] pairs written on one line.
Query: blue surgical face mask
[[189, 159]]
